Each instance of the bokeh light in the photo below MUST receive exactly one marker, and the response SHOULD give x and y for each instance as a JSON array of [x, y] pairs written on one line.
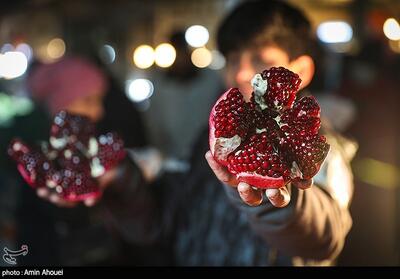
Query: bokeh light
[[218, 60], [165, 55], [139, 89], [6, 48], [107, 54], [12, 106], [13, 64], [335, 32], [395, 46], [201, 57], [144, 56], [56, 48], [26, 50], [391, 29], [197, 35]]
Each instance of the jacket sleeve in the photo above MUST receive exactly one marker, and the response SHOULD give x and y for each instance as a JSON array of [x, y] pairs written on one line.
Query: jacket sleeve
[[315, 223], [131, 207]]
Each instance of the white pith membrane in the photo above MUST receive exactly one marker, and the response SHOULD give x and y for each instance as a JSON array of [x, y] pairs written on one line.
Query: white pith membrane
[[260, 86], [225, 146], [96, 168]]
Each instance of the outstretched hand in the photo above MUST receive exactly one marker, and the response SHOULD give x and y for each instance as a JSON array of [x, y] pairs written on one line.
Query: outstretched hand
[[250, 195], [54, 198]]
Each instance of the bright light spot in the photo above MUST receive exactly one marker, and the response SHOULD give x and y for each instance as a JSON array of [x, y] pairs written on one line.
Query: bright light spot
[[12, 64], [197, 36], [139, 90], [26, 50], [340, 176], [56, 48], [143, 106], [12, 106], [218, 60], [165, 55], [107, 54], [335, 32], [201, 57], [6, 48], [395, 46], [391, 28], [377, 173], [143, 57]]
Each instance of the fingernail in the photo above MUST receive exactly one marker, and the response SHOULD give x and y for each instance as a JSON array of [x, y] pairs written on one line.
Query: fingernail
[[272, 193]]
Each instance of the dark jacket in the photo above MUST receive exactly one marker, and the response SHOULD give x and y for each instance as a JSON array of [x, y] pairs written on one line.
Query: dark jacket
[[204, 222]]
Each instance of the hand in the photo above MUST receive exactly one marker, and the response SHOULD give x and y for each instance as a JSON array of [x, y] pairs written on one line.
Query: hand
[[250, 195], [57, 200]]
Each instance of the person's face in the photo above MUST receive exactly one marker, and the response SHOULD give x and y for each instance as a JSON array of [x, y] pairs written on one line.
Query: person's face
[[243, 65], [90, 106]]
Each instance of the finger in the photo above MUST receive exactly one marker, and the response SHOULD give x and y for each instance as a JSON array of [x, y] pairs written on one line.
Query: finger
[[303, 184], [249, 195], [54, 198], [107, 178], [220, 172], [90, 202], [57, 200], [278, 197], [69, 204], [42, 192]]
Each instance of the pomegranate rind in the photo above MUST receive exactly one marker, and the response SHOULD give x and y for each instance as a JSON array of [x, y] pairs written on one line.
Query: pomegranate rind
[[261, 181], [93, 192]]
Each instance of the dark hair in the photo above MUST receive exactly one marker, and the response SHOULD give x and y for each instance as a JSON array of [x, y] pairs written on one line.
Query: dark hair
[[257, 23], [177, 39]]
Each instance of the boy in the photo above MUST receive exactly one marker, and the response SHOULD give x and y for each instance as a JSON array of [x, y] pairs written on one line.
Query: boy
[[210, 223], [206, 222]]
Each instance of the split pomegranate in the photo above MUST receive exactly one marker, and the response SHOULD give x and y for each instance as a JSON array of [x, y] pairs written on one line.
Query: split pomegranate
[[69, 163], [272, 139]]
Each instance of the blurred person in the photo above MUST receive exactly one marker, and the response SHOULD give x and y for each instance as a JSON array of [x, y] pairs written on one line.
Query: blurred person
[[210, 221], [208, 218], [61, 232], [182, 99], [121, 115]]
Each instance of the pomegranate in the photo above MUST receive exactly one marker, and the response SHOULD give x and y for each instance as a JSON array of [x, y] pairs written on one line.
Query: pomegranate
[[272, 139], [69, 163]]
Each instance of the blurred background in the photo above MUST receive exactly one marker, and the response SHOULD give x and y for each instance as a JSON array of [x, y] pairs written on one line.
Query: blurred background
[[358, 67]]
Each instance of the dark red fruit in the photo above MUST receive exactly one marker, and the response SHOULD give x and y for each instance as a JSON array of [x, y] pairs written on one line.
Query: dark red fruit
[[72, 185], [72, 159], [111, 150], [32, 164], [270, 140], [282, 88], [71, 129]]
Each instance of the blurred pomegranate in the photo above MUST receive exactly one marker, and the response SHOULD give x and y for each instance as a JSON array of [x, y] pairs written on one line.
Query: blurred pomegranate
[[69, 163]]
